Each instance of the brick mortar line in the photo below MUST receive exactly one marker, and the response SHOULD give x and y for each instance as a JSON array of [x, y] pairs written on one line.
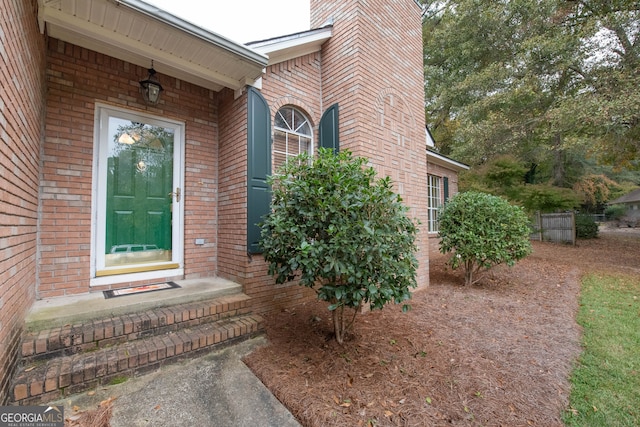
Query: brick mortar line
[[79, 372], [62, 340]]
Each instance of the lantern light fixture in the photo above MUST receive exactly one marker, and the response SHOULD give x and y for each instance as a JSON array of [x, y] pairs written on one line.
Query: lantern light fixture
[[151, 87]]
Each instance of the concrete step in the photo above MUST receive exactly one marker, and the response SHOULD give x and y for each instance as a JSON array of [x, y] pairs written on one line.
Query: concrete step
[[46, 380], [74, 309]]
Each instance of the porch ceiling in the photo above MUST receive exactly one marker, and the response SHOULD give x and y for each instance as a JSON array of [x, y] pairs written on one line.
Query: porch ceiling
[[136, 32]]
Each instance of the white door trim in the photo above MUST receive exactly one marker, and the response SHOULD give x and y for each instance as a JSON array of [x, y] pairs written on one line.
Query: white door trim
[[98, 195]]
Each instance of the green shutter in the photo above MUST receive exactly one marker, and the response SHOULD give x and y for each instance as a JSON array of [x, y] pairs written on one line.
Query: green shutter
[[329, 129], [446, 189], [259, 166]]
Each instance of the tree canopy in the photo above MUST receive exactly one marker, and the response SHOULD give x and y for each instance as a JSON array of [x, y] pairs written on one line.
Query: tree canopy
[[553, 82]]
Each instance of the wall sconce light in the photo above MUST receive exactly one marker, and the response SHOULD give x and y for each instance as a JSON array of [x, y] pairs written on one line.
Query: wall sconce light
[[151, 87]]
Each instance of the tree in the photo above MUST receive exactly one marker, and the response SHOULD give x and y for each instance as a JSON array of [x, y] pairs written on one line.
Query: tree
[[546, 198], [549, 81], [482, 231], [506, 176], [595, 191], [497, 68], [605, 112], [344, 233]]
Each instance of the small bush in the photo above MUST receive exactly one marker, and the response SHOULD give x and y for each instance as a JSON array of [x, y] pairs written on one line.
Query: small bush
[[482, 231], [586, 227], [615, 212]]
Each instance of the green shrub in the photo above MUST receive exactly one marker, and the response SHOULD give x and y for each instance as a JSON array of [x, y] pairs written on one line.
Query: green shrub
[[615, 212], [343, 232], [482, 231], [586, 227], [546, 198]]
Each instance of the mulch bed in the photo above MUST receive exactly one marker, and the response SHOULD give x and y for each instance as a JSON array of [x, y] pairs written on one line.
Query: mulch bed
[[494, 354]]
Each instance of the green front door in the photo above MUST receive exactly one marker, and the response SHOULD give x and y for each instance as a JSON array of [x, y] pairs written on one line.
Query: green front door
[[138, 193]]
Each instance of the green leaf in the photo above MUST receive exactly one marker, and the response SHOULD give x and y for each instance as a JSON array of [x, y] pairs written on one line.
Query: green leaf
[[357, 243], [482, 230]]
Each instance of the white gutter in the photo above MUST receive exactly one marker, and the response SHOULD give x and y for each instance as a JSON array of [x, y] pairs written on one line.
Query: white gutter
[[438, 158]]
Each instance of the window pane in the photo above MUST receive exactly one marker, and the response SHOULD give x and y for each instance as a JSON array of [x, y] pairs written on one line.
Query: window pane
[[304, 128], [279, 159], [433, 197], [305, 144], [284, 118], [279, 141], [298, 120], [280, 121], [292, 135]]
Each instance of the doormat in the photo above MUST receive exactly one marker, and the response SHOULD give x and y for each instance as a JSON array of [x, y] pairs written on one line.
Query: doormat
[[140, 289]]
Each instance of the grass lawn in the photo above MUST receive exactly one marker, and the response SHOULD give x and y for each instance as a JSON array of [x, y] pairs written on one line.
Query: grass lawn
[[605, 383]]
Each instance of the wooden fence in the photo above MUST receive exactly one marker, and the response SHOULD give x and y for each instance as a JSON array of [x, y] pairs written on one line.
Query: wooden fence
[[556, 227]]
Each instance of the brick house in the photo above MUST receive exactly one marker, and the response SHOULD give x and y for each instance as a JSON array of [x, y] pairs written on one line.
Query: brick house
[[442, 183], [103, 189]]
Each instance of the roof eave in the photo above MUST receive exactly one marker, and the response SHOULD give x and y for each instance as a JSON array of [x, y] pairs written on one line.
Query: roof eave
[[444, 161], [631, 197], [284, 48], [136, 32]]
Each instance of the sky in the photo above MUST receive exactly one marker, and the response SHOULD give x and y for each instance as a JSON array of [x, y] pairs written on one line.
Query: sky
[[242, 20]]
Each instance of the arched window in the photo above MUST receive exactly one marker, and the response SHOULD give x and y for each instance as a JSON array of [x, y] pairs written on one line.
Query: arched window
[[292, 135]]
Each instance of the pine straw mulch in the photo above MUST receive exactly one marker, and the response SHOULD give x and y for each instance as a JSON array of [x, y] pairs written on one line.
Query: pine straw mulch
[[96, 417], [494, 354]]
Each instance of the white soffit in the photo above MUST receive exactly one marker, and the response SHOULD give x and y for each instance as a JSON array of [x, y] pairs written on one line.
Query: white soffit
[[292, 46], [136, 32]]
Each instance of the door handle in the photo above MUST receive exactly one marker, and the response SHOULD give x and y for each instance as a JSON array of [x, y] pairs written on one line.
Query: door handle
[[177, 194]]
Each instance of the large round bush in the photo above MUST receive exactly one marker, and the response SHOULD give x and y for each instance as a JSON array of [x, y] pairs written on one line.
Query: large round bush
[[341, 231], [482, 230]]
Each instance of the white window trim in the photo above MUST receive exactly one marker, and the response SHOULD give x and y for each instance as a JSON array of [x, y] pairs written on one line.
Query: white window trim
[[433, 184], [293, 132]]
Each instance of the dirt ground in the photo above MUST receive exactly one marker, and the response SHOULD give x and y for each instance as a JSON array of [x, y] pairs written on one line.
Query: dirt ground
[[494, 354]]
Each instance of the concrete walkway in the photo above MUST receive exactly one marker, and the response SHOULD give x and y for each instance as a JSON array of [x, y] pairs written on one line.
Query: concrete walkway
[[216, 390]]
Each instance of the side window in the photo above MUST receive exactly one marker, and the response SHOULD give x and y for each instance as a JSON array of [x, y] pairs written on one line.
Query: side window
[[292, 135], [433, 188]]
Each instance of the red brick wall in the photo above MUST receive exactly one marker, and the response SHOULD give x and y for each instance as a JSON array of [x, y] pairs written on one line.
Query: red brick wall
[[296, 83], [21, 110], [232, 193], [77, 78], [372, 66]]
